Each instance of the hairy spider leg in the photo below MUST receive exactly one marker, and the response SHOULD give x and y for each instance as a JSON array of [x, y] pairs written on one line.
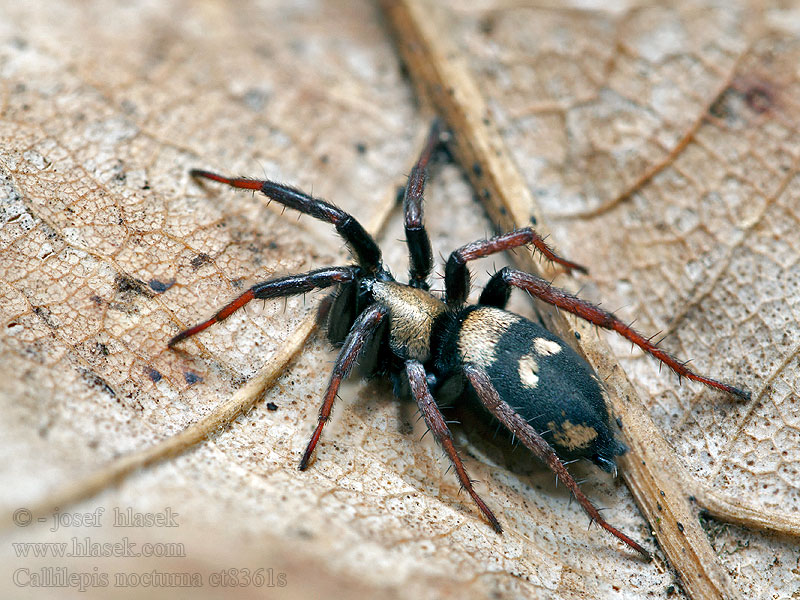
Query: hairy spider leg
[[501, 282], [536, 443], [290, 285], [456, 274], [364, 327], [436, 424], [363, 246], [420, 254]]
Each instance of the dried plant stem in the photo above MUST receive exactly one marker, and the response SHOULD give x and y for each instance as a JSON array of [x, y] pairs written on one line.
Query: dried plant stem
[[733, 510]]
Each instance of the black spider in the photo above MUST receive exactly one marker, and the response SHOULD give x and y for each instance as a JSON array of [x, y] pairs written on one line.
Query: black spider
[[441, 349]]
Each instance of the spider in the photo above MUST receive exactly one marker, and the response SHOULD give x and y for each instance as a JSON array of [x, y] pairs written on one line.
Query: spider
[[441, 349]]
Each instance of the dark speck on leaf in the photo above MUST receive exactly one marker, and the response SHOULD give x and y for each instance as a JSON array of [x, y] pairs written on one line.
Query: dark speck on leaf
[[159, 286], [97, 382], [758, 99], [191, 377], [153, 374], [719, 108], [45, 315], [127, 284], [271, 406], [200, 260]]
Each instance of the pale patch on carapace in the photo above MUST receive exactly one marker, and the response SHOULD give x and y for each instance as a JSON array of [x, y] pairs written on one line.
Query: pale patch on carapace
[[481, 331], [571, 436], [528, 371], [545, 347], [411, 313]]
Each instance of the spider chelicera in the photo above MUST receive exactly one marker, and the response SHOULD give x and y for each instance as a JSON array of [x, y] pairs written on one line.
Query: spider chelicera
[[441, 349]]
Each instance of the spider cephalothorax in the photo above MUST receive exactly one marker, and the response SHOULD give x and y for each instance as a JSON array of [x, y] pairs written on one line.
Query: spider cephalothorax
[[440, 349]]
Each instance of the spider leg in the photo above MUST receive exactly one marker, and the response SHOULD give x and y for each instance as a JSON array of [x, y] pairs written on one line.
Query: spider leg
[[360, 242], [495, 293], [363, 328], [504, 278], [436, 423], [535, 443], [456, 274], [420, 254], [275, 288]]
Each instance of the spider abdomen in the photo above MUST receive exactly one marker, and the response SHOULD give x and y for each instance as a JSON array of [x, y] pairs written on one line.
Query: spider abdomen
[[543, 379]]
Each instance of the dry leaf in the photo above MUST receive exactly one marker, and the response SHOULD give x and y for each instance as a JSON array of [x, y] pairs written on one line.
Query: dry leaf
[[107, 248]]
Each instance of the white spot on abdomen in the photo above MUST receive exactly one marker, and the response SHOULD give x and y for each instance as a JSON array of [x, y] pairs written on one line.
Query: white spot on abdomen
[[545, 347], [528, 371]]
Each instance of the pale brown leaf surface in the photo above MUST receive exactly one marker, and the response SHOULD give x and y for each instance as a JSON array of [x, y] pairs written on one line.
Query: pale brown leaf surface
[[103, 113]]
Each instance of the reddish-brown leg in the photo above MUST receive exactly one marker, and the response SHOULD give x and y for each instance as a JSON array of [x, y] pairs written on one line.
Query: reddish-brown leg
[[275, 288], [585, 310], [536, 443], [456, 274], [436, 424], [360, 242], [420, 255], [364, 327]]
